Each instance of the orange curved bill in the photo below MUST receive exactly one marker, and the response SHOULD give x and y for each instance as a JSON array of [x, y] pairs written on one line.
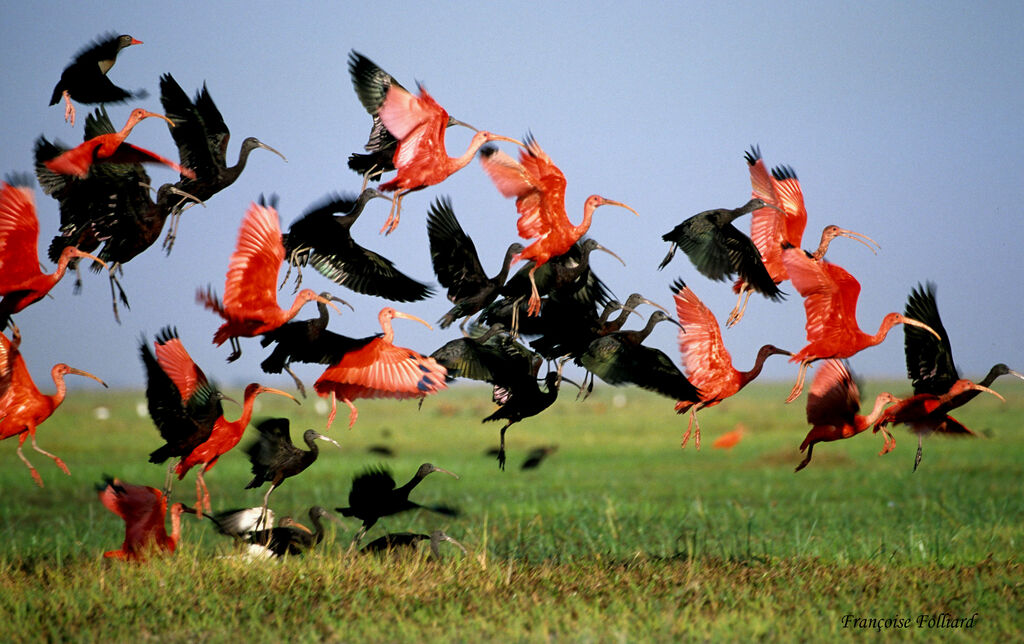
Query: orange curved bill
[[159, 116], [82, 253], [987, 390], [864, 239], [399, 314], [612, 202], [921, 325], [79, 372], [271, 390]]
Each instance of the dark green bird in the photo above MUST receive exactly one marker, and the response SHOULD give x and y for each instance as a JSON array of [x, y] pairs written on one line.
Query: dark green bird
[[719, 250]]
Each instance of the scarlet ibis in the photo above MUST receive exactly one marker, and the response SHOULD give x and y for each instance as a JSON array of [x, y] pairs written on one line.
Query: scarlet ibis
[[85, 79], [202, 138], [22, 407], [707, 362], [373, 495], [731, 438], [539, 188], [111, 148], [783, 220], [395, 542], [275, 459], [421, 160], [21, 281], [938, 389], [143, 509], [379, 369], [620, 358], [250, 291], [186, 409], [290, 537], [371, 84], [537, 455], [830, 303], [458, 266], [322, 237], [719, 251], [833, 404]]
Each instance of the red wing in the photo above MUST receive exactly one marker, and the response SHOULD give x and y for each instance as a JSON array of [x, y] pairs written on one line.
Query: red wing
[[251, 284], [537, 184], [762, 185], [706, 361], [820, 292], [19, 237], [179, 367], [7, 355], [128, 153], [849, 291], [767, 225], [137, 504], [381, 369], [402, 112], [953, 427], [423, 145], [792, 201], [834, 397]]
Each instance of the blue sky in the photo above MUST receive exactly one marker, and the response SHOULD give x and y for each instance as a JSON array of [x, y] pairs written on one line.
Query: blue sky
[[902, 121]]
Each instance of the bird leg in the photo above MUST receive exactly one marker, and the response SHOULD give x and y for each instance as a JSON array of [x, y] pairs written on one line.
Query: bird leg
[[236, 349], [394, 214], [534, 308], [799, 386], [262, 523], [298, 383], [35, 475], [515, 319], [119, 294], [353, 413], [917, 458], [694, 424], [169, 479], [807, 459], [202, 495], [890, 441], [501, 448], [69, 109], [56, 459], [358, 536], [737, 311]]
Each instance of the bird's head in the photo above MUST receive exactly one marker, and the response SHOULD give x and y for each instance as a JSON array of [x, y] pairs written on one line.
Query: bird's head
[[138, 114], [892, 319], [251, 143], [125, 40], [590, 244], [387, 314], [594, 201], [772, 350], [832, 231], [71, 252], [60, 370], [961, 386], [309, 295], [661, 316], [430, 468], [1003, 370], [311, 435]]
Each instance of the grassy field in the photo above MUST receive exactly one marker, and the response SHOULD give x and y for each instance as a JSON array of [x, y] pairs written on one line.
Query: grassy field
[[619, 536]]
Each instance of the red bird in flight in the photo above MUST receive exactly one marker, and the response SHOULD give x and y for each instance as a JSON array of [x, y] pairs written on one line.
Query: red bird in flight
[[539, 188], [111, 148], [250, 305], [421, 160]]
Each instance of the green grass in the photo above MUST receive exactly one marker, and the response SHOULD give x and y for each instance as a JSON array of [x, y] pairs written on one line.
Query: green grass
[[619, 536]]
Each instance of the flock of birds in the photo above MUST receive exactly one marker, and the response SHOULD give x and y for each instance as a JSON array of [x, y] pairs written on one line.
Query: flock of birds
[[109, 214]]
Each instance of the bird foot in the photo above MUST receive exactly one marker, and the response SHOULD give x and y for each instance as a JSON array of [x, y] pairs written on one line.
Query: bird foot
[[534, 307], [35, 477], [61, 465], [734, 316], [69, 110], [798, 389]]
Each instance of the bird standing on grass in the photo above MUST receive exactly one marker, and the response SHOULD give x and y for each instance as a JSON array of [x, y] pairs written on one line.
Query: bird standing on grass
[[143, 509]]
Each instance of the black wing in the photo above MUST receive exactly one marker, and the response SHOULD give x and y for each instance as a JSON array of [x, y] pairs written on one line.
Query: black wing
[[929, 360], [271, 450], [452, 252]]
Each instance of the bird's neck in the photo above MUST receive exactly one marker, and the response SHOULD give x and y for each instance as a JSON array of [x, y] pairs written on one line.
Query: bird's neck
[[755, 371], [863, 422], [175, 526]]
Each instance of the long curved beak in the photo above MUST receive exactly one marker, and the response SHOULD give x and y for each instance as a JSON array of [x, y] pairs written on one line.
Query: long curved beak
[[160, 116], [271, 390], [441, 469], [1015, 373], [454, 121], [445, 537], [498, 137], [229, 399], [655, 305], [600, 247], [329, 301], [864, 239], [987, 390], [328, 439], [921, 325], [182, 193], [79, 372], [267, 147], [612, 202], [399, 314], [81, 253]]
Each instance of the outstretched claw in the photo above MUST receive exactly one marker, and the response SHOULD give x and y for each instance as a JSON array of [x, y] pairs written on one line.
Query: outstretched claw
[[694, 424], [798, 388], [737, 311], [393, 215], [236, 350]]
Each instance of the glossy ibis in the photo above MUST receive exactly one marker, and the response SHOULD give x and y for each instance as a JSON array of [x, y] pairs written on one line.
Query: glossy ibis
[[373, 495], [322, 237], [85, 79], [395, 542], [290, 537]]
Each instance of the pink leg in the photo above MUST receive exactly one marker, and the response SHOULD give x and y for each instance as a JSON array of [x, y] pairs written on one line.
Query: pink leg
[[334, 410], [69, 109], [534, 308], [56, 459], [352, 414], [394, 214], [693, 424], [737, 311], [35, 475], [799, 386]]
